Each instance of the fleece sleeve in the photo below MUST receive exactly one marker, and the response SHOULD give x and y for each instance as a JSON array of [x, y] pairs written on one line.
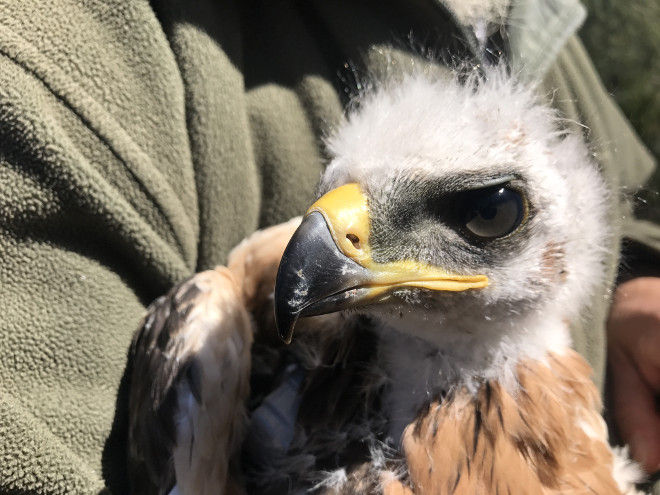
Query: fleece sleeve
[[98, 215]]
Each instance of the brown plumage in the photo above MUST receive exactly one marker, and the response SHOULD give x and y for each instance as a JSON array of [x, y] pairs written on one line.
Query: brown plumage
[[533, 440]]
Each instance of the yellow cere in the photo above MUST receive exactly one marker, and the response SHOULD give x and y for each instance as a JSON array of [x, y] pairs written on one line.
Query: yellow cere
[[346, 212]]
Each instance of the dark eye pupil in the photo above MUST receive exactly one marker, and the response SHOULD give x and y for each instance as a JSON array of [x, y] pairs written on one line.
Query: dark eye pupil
[[488, 213], [492, 212]]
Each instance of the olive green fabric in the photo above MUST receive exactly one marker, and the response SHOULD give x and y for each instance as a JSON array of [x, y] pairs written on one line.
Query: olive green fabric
[[539, 31], [138, 143]]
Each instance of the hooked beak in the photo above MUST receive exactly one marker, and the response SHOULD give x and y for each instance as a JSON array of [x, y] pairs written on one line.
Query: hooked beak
[[327, 265]]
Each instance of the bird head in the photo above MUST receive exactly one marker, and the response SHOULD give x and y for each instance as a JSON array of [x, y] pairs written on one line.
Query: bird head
[[451, 210]]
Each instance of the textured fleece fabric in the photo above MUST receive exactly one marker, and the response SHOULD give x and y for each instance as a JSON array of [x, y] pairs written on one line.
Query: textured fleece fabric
[[140, 141]]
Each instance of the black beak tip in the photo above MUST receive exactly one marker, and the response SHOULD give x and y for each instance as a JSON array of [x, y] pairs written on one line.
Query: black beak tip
[[286, 314], [285, 323], [286, 337]]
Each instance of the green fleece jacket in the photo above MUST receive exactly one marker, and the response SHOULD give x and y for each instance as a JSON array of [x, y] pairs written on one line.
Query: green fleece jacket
[[140, 141]]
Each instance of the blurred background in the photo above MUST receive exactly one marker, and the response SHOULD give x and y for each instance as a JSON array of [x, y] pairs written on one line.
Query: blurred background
[[623, 38]]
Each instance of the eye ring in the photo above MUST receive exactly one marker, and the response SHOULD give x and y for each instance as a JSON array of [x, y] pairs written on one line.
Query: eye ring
[[492, 212]]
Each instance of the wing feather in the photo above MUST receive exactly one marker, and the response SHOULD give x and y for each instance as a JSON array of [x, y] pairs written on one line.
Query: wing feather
[[190, 373], [190, 361]]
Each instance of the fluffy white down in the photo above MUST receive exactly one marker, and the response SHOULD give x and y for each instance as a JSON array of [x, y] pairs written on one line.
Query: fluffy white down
[[444, 127]]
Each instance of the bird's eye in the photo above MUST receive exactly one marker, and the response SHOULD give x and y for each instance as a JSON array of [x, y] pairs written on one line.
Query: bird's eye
[[492, 212]]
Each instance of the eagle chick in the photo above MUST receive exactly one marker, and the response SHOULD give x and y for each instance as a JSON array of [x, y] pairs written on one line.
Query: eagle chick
[[459, 229]]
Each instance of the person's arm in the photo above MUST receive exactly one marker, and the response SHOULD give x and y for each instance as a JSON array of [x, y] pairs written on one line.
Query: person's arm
[[98, 215]]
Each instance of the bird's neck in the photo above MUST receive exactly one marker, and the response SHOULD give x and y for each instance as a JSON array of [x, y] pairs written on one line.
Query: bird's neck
[[419, 371]]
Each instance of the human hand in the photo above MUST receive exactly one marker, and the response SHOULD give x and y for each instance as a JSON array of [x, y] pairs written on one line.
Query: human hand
[[633, 356]]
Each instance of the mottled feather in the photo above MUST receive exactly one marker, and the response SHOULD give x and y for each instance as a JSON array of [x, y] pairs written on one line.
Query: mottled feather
[[528, 440]]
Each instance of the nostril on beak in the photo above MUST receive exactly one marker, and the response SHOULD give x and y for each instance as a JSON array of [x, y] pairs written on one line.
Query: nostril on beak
[[355, 240]]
